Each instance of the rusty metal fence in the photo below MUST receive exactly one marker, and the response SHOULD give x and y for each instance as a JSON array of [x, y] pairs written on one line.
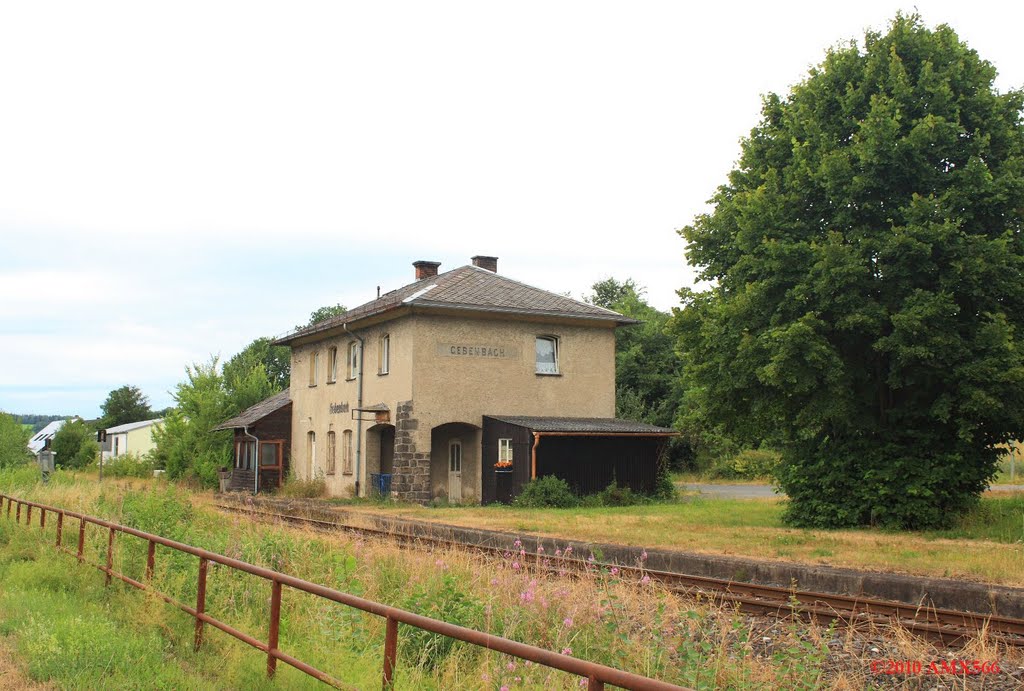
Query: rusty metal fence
[[597, 675]]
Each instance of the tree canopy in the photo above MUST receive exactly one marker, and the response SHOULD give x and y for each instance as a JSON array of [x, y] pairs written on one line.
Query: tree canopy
[[13, 441], [866, 260], [74, 445], [123, 405], [647, 370], [322, 314]]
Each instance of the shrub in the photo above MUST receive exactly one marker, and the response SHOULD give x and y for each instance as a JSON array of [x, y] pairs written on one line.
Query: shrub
[[664, 488], [614, 495], [547, 491], [299, 488], [71, 446], [128, 465], [749, 464]]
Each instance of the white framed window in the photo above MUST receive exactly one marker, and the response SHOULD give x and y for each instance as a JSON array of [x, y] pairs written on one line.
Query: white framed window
[[384, 354], [314, 368], [331, 452], [346, 452], [547, 354], [353, 360], [504, 463], [332, 365]]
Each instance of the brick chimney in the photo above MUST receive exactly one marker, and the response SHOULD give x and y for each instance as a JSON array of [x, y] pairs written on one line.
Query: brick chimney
[[425, 269], [489, 263]]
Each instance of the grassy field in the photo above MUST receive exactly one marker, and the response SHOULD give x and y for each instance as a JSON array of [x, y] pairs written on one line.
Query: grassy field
[[70, 631], [986, 545], [60, 627]]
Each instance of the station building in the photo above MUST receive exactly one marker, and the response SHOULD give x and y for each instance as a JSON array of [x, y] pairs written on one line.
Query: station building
[[460, 386]]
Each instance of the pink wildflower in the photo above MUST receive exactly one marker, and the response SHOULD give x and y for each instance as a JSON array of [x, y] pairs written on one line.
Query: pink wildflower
[[568, 550], [518, 543], [645, 580], [584, 681], [591, 559], [511, 666], [615, 571], [567, 622], [504, 687], [558, 552], [485, 676], [494, 581], [540, 548], [643, 555], [515, 565], [566, 651]]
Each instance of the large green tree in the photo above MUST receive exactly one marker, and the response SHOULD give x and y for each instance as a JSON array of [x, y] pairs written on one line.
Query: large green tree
[[866, 261], [647, 369], [123, 405], [276, 362], [185, 446]]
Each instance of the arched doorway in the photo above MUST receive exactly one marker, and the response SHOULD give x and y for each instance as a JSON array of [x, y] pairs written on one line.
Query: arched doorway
[[455, 462]]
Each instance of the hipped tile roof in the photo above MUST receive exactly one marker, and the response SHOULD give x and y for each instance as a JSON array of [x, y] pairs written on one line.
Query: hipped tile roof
[[472, 288]]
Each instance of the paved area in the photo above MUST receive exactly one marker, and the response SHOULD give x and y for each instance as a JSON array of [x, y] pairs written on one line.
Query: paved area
[[731, 491], [748, 491]]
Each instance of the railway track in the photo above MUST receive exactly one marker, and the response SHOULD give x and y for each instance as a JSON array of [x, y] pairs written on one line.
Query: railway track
[[943, 626]]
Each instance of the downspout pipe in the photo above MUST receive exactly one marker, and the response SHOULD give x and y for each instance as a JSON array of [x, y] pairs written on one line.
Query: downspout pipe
[[255, 461], [359, 405]]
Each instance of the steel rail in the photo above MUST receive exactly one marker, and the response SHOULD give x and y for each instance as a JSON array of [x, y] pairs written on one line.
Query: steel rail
[[749, 596], [597, 675]]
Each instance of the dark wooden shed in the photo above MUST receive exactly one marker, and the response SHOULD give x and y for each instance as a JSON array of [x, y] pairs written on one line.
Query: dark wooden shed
[[263, 439], [588, 453]]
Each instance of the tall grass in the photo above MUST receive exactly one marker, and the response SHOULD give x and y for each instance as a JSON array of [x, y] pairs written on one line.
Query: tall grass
[[78, 634]]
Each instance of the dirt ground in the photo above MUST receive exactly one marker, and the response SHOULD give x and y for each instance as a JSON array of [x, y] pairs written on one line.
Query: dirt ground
[[12, 671]]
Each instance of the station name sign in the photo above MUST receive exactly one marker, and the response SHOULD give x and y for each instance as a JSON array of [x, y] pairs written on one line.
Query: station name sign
[[492, 351], [339, 408]]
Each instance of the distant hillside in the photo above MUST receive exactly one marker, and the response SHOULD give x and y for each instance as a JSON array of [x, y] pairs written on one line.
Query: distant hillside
[[38, 421]]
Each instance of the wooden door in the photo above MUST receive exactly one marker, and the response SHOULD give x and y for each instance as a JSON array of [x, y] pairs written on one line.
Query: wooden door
[[455, 471]]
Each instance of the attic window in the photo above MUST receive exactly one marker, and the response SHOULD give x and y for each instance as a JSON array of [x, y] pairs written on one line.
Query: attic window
[[547, 355]]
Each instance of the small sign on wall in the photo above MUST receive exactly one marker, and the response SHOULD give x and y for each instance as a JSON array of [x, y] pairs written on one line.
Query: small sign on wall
[[337, 408], [476, 351]]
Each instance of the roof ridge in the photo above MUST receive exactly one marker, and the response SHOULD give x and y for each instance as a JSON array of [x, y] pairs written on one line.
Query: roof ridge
[[527, 285]]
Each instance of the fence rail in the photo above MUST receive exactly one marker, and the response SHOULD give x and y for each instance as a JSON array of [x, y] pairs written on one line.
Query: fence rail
[[598, 675]]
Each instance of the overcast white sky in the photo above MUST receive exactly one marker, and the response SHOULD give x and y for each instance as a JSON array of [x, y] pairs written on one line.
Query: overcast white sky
[[177, 179]]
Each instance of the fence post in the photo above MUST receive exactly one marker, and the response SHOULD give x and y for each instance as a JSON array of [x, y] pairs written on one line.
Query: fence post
[[110, 555], [28, 516], [200, 602], [150, 560], [60, 527], [9, 502], [275, 626], [42, 518], [390, 651], [81, 539], [17, 514], [594, 684]]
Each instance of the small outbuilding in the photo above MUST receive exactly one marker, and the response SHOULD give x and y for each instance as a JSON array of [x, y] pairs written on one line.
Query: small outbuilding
[[263, 439], [588, 453]]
